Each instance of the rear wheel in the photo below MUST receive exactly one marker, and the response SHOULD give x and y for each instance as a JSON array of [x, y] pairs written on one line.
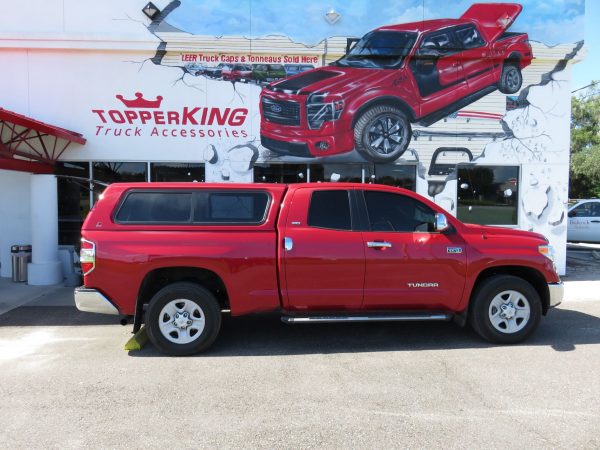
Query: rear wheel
[[183, 318], [511, 78], [382, 134], [505, 309]]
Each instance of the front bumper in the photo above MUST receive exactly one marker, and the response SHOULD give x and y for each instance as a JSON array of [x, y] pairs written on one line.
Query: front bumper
[[90, 300], [557, 292]]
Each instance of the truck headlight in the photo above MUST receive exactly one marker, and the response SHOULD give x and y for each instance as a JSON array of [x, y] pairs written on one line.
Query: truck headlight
[[321, 108], [547, 250]]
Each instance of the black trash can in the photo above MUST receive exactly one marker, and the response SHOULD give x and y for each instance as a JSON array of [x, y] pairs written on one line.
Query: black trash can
[[21, 256]]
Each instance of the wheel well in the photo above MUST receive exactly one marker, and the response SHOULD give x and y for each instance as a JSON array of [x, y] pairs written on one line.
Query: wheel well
[[159, 278], [514, 57], [532, 276], [391, 101]]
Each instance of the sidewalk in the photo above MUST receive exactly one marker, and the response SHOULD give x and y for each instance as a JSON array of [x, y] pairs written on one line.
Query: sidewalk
[[582, 283], [14, 295]]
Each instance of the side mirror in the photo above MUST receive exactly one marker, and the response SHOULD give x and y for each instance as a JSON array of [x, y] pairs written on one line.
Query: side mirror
[[572, 214], [441, 223]]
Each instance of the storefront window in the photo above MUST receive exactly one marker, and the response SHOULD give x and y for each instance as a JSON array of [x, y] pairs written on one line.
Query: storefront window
[[73, 200], [118, 172], [488, 195], [177, 172], [280, 173], [393, 175], [336, 172]]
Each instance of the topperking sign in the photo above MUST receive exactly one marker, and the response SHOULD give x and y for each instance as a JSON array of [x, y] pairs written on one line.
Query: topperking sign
[[145, 117]]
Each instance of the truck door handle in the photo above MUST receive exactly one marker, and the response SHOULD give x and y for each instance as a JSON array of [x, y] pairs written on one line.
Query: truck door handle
[[288, 243], [595, 221], [379, 244]]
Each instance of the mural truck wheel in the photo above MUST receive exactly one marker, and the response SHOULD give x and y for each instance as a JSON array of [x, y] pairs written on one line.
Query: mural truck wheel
[[511, 78], [382, 133]]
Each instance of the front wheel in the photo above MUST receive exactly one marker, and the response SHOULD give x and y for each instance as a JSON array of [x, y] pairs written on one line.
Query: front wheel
[[511, 79], [183, 318], [505, 309], [382, 134]]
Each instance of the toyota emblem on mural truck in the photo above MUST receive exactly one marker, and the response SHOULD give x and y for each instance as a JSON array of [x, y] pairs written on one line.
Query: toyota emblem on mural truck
[[275, 108]]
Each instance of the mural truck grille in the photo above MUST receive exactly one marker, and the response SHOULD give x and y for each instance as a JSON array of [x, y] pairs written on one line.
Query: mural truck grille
[[281, 112]]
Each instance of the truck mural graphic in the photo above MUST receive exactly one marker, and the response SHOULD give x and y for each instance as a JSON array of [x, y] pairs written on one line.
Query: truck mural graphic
[[395, 75]]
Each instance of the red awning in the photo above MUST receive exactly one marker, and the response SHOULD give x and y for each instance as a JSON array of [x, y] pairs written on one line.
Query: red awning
[[29, 145]]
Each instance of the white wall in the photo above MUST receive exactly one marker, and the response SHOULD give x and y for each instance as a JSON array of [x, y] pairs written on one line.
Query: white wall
[[15, 215]]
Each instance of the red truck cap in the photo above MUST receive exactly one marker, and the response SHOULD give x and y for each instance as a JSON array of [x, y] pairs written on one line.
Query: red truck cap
[[493, 18]]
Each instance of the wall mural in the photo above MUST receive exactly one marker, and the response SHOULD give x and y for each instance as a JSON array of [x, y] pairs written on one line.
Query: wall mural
[[426, 93]]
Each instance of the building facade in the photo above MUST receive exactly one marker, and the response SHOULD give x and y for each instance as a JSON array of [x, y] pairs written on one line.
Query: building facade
[[442, 100]]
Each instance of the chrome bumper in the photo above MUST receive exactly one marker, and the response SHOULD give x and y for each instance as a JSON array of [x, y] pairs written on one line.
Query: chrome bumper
[[90, 300], [557, 292]]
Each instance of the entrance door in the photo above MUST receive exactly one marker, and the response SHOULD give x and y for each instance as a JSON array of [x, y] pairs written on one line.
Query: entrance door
[[408, 265], [323, 258]]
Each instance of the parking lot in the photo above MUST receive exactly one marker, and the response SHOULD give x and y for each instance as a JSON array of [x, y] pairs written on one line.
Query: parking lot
[[67, 383]]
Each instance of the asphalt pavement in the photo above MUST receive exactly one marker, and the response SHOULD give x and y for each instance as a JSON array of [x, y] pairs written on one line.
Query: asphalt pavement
[[65, 382]]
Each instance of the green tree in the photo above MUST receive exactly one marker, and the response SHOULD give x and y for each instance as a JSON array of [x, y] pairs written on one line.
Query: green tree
[[585, 144]]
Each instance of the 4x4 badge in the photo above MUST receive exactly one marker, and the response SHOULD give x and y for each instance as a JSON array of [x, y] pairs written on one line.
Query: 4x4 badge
[[454, 249]]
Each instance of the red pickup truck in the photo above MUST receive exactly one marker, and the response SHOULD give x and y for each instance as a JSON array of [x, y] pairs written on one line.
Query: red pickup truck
[[395, 75], [177, 255]]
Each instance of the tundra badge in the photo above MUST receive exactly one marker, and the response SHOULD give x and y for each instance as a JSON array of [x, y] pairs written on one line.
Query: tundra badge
[[454, 249], [423, 285]]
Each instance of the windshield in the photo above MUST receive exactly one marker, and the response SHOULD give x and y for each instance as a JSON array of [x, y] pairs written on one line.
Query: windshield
[[379, 49]]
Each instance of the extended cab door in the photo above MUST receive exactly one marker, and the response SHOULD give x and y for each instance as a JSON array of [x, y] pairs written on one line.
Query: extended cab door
[[408, 265], [476, 59], [322, 259], [437, 70]]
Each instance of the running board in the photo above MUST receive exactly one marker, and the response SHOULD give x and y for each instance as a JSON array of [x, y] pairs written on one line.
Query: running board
[[367, 318]]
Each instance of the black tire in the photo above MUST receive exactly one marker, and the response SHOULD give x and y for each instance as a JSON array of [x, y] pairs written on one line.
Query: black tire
[[511, 78], [481, 311], [371, 136], [208, 309]]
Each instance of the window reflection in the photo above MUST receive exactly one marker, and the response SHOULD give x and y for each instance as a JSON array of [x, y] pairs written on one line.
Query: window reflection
[[403, 176], [488, 194], [117, 172], [280, 173], [73, 200], [177, 172], [336, 173]]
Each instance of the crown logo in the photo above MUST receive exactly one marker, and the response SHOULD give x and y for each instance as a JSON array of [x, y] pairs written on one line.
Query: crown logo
[[140, 101]]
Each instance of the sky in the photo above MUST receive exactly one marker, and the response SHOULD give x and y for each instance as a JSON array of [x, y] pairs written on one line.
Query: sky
[[588, 70], [548, 21]]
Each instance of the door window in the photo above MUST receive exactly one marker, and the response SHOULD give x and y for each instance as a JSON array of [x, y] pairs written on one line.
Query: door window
[[394, 212], [330, 209], [589, 209], [441, 43]]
